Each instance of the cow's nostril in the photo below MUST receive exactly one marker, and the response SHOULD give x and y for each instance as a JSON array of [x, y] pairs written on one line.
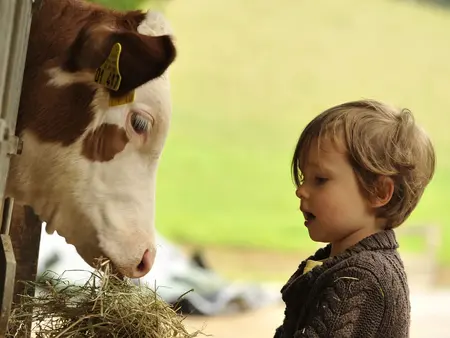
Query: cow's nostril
[[144, 265]]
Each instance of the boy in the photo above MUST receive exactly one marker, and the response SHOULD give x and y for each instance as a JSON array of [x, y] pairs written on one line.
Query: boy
[[360, 169]]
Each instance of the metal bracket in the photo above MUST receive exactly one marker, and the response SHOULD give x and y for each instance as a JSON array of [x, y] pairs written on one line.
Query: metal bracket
[[9, 140]]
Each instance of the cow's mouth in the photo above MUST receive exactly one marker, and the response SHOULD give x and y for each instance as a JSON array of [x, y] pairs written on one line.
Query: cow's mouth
[[140, 269]]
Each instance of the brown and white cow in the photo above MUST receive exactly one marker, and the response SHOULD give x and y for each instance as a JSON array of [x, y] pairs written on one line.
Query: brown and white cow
[[89, 160]]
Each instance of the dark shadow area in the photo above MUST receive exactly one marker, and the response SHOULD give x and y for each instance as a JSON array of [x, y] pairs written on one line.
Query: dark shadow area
[[438, 3]]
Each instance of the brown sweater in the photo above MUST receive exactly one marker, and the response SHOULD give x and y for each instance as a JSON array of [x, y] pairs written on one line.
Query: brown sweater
[[362, 292]]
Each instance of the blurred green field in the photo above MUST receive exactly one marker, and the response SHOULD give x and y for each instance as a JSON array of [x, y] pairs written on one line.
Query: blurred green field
[[251, 74]]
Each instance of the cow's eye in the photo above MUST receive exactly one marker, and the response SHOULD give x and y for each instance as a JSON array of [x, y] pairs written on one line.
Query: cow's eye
[[139, 123]]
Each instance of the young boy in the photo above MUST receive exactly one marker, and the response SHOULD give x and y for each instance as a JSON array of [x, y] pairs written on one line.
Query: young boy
[[360, 169]]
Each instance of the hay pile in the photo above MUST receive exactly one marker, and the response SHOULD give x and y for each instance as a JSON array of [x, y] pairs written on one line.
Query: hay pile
[[105, 307]]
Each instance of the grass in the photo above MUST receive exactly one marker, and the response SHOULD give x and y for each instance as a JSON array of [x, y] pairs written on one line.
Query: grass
[[132, 4], [119, 4], [251, 74]]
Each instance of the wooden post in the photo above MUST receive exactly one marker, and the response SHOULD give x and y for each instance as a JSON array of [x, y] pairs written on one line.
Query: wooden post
[[25, 237], [15, 22]]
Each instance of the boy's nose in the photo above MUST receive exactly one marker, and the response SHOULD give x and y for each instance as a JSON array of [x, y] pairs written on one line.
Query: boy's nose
[[301, 192]]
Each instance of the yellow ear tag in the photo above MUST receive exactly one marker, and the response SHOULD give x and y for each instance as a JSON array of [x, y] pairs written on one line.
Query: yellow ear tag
[[108, 75], [117, 101]]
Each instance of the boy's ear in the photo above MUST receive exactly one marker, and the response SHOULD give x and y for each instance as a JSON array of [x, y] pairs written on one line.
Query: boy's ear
[[142, 58], [384, 190]]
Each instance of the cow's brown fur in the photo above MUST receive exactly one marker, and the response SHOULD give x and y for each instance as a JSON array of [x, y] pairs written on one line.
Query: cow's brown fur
[[104, 142], [81, 44]]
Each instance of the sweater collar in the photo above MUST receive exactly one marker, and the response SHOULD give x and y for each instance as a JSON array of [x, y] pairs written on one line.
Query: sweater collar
[[383, 240]]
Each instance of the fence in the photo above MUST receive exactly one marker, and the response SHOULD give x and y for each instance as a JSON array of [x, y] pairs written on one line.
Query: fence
[[15, 22]]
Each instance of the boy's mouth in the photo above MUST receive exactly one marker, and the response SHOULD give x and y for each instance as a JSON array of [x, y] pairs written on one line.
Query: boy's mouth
[[309, 217]]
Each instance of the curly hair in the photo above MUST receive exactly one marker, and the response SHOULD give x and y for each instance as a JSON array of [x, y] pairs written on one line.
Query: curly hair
[[380, 140]]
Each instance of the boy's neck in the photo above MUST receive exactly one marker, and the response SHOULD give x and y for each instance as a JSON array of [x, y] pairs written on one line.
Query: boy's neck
[[351, 240]]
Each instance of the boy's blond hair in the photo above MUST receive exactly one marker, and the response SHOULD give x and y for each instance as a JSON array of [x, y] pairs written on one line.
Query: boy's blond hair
[[380, 140]]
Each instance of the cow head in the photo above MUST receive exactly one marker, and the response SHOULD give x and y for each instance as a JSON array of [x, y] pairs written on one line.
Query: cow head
[[91, 143]]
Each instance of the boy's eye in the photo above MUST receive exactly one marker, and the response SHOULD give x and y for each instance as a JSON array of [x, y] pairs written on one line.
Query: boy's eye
[[321, 180]]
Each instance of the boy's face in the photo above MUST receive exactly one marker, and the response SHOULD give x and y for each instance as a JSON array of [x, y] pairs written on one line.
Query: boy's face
[[331, 200]]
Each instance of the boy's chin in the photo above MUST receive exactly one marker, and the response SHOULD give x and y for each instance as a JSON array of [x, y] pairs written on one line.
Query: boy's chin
[[317, 237]]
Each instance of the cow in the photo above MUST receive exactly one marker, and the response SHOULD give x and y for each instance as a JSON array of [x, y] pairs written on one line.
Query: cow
[[94, 114]]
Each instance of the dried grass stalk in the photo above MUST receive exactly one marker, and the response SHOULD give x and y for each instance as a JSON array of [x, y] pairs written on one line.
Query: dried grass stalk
[[106, 306]]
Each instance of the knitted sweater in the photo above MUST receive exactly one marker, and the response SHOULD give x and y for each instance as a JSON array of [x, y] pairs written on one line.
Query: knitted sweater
[[362, 292]]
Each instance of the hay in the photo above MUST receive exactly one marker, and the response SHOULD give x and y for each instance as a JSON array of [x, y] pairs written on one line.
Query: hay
[[106, 306]]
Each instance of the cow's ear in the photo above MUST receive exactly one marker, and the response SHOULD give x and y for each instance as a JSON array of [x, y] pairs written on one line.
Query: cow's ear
[[140, 58]]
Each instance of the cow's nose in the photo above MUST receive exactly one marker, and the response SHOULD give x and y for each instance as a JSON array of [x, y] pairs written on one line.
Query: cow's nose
[[144, 266]]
